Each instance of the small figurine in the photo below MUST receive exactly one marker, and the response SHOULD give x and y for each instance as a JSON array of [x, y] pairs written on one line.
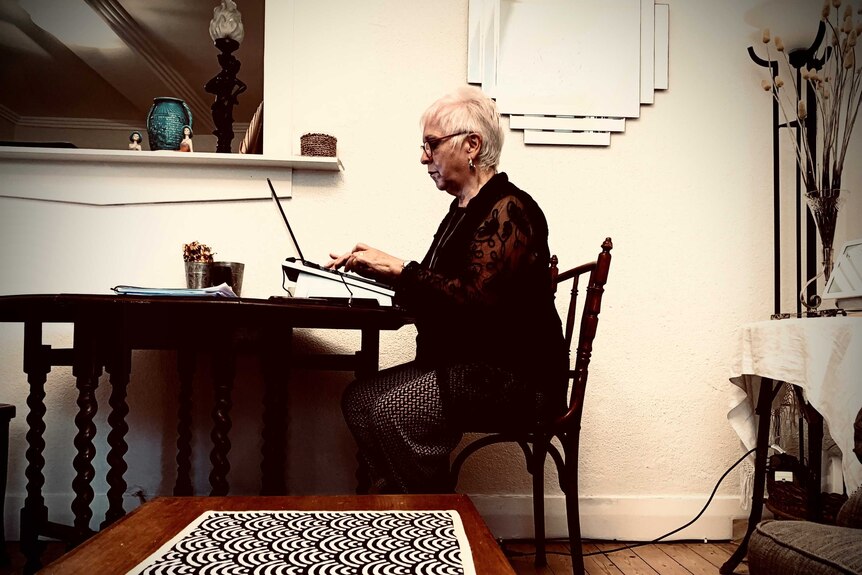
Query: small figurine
[[226, 87], [135, 141], [186, 144]]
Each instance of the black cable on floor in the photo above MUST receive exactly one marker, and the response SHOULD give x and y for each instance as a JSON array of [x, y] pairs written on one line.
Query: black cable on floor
[[668, 534], [696, 517]]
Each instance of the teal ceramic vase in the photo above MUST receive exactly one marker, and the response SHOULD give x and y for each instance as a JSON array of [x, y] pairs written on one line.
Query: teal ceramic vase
[[165, 123]]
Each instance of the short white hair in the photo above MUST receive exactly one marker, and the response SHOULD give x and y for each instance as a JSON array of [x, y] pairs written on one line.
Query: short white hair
[[469, 109]]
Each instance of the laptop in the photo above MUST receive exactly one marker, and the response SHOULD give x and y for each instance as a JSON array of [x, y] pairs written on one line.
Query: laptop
[[845, 282], [314, 281]]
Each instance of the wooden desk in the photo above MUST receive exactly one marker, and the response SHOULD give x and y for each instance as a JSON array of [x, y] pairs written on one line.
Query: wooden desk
[[107, 328], [135, 537]]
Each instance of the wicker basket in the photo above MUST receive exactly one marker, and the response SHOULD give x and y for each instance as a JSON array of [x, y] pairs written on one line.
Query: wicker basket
[[317, 145]]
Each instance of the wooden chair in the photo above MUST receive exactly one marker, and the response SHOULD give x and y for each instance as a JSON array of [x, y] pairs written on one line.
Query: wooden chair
[[566, 427]]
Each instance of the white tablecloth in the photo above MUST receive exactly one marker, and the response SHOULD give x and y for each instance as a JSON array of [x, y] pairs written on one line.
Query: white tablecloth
[[823, 356]]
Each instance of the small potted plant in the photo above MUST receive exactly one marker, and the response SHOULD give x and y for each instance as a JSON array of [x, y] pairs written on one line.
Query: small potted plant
[[198, 259]]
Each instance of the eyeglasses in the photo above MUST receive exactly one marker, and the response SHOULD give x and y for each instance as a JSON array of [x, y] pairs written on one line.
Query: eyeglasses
[[430, 145]]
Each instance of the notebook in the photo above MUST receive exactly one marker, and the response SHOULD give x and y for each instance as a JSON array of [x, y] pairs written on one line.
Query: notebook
[[315, 281]]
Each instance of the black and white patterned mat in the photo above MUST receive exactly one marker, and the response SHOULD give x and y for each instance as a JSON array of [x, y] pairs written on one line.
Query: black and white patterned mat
[[316, 543]]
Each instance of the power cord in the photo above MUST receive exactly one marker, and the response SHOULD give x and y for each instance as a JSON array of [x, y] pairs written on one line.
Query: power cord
[[284, 281], [668, 534], [350, 291], [340, 275], [696, 517]]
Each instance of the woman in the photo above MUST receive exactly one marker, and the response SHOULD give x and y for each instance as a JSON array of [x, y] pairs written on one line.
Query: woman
[[186, 145], [135, 141], [489, 347]]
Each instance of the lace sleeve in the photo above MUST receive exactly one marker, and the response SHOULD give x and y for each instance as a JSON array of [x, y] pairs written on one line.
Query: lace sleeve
[[500, 246]]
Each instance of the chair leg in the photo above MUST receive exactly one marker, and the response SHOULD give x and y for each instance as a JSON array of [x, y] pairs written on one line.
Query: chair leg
[[7, 412], [540, 450], [570, 488]]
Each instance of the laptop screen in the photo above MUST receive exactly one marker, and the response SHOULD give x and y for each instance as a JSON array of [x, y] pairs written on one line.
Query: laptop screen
[[286, 222]]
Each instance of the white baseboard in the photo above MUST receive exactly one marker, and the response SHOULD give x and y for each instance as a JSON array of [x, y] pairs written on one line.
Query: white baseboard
[[613, 518], [511, 516]]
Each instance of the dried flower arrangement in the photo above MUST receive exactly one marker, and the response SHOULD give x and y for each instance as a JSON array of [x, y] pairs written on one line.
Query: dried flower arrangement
[[196, 252], [838, 92]]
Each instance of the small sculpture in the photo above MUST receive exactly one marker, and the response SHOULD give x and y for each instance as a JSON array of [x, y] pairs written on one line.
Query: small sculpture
[[226, 31], [135, 141], [226, 87], [186, 144]]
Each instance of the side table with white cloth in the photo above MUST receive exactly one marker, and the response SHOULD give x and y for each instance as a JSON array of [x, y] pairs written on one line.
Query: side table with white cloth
[[820, 356]]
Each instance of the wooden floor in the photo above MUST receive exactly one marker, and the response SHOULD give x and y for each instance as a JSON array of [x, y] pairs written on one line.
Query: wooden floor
[[605, 559], [661, 559]]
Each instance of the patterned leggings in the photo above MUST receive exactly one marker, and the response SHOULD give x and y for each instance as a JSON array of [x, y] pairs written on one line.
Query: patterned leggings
[[405, 420]]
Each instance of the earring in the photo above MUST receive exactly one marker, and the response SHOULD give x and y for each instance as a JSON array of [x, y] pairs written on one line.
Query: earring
[[470, 163]]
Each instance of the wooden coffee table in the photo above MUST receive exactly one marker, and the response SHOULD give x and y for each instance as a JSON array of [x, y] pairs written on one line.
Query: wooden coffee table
[[136, 536]]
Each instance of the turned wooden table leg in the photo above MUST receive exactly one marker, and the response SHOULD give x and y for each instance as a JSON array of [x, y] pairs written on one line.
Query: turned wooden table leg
[[119, 367], [87, 371], [34, 514], [224, 368], [186, 369]]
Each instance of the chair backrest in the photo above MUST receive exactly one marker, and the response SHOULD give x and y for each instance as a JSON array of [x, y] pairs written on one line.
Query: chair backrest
[[598, 277]]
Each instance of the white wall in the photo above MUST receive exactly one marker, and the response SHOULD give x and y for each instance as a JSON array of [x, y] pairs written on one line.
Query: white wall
[[686, 194]]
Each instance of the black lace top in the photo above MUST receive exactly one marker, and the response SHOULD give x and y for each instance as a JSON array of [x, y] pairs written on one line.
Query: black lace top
[[482, 292]]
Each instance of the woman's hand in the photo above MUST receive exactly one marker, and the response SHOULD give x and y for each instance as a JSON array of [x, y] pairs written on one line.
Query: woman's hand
[[367, 261]]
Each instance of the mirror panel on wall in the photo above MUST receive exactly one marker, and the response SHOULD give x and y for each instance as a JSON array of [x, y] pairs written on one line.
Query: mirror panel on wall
[[84, 73], [569, 72]]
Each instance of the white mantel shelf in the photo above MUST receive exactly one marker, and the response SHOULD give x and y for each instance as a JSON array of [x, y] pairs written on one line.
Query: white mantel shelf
[[165, 157], [124, 177]]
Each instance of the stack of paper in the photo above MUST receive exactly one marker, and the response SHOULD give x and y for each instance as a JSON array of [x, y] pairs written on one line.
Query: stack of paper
[[222, 290]]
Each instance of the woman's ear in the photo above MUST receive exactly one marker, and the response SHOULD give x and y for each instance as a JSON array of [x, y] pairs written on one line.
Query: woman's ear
[[474, 142]]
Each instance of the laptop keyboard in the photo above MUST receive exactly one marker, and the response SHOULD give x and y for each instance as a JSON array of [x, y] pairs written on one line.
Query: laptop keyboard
[[339, 273]]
